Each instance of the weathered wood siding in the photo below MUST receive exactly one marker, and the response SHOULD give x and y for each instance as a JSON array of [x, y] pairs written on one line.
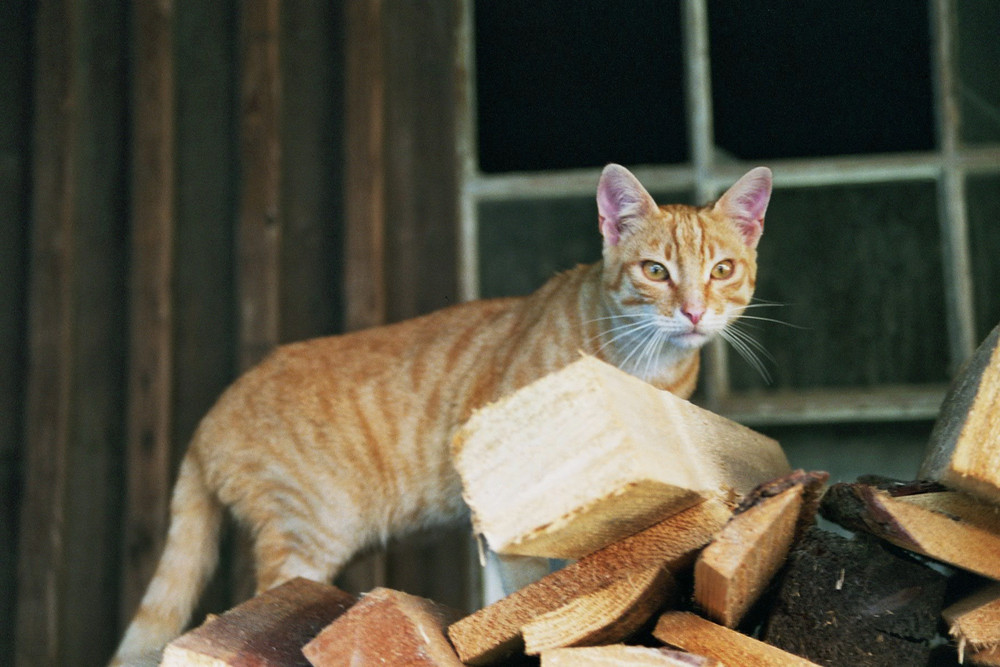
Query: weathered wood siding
[[185, 185]]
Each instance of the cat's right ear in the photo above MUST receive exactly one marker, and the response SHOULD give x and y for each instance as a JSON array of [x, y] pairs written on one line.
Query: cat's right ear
[[620, 197]]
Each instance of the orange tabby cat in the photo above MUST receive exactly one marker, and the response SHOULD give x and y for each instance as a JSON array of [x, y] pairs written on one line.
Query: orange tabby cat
[[332, 444]]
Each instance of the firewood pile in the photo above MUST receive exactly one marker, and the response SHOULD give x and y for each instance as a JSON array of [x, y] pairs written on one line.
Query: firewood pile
[[692, 544]]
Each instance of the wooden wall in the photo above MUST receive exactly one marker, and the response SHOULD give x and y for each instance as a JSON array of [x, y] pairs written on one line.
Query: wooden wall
[[183, 186]]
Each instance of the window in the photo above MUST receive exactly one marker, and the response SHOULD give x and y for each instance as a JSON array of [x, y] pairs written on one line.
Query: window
[[881, 122]]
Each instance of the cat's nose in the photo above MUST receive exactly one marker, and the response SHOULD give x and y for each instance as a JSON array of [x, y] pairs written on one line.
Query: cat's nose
[[693, 314]]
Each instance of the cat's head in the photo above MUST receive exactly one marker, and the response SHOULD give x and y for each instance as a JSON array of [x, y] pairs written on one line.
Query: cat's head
[[688, 271]]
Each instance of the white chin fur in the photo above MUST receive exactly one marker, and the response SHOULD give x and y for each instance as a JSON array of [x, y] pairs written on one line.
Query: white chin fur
[[690, 341]]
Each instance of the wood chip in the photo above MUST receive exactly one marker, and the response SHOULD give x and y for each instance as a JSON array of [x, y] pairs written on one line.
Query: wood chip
[[619, 655], [693, 633], [494, 632], [974, 622], [386, 627], [604, 616]]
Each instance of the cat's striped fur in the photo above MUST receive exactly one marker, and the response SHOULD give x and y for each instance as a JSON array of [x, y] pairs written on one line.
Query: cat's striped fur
[[335, 443]]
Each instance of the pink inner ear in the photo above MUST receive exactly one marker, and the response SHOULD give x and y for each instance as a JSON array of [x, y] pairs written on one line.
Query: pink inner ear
[[746, 203], [619, 196]]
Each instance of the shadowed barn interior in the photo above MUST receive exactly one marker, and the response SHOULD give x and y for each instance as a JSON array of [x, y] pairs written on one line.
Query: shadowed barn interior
[[185, 185]]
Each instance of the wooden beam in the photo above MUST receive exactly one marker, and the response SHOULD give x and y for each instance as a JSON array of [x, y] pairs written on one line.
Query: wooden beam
[[148, 455]]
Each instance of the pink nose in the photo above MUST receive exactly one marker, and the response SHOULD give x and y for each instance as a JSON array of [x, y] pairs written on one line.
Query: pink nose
[[694, 314]]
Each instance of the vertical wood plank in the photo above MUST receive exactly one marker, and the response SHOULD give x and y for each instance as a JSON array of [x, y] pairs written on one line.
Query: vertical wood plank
[[150, 410], [364, 202], [312, 202], [261, 216], [421, 230], [364, 165], [75, 379], [15, 108], [49, 328], [207, 175], [421, 161]]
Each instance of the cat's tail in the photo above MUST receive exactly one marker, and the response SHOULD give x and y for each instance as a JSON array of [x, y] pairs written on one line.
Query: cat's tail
[[188, 561]]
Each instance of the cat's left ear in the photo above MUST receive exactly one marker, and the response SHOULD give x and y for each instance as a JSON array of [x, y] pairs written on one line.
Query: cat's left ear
[[620, 198], [746, 202]]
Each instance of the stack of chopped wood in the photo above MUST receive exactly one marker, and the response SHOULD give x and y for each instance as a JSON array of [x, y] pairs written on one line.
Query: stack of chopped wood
[[694, 544]]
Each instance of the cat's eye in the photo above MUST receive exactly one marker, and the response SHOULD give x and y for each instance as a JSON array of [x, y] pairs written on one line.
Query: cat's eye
[[655, 271], [722, 270]]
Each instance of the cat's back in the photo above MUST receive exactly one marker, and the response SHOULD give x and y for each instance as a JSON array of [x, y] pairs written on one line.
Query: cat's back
[[358, 387]]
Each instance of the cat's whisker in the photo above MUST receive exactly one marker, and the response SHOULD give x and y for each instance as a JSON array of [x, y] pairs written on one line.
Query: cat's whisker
[[652, 351], [623, 331], [771, 319], [746, 346], [735, 329], [648, 342], [757, 301]]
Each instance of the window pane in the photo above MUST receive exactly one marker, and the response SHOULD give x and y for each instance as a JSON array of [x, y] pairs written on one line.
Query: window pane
[[979, 69], [578, 84], [799, 79], [984, 239], [858, 269]]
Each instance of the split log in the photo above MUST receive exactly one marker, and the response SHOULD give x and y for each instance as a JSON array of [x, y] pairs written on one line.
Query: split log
[[590, 454], [691, 632], [605, 616], [733, 571], [268, 630], [619, 655], [974, 623], [964, 448], [386, 627], [949, 526], [494, 632], [855, 602]]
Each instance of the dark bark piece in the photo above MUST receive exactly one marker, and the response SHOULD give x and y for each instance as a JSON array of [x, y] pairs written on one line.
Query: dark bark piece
[[855, 602]]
